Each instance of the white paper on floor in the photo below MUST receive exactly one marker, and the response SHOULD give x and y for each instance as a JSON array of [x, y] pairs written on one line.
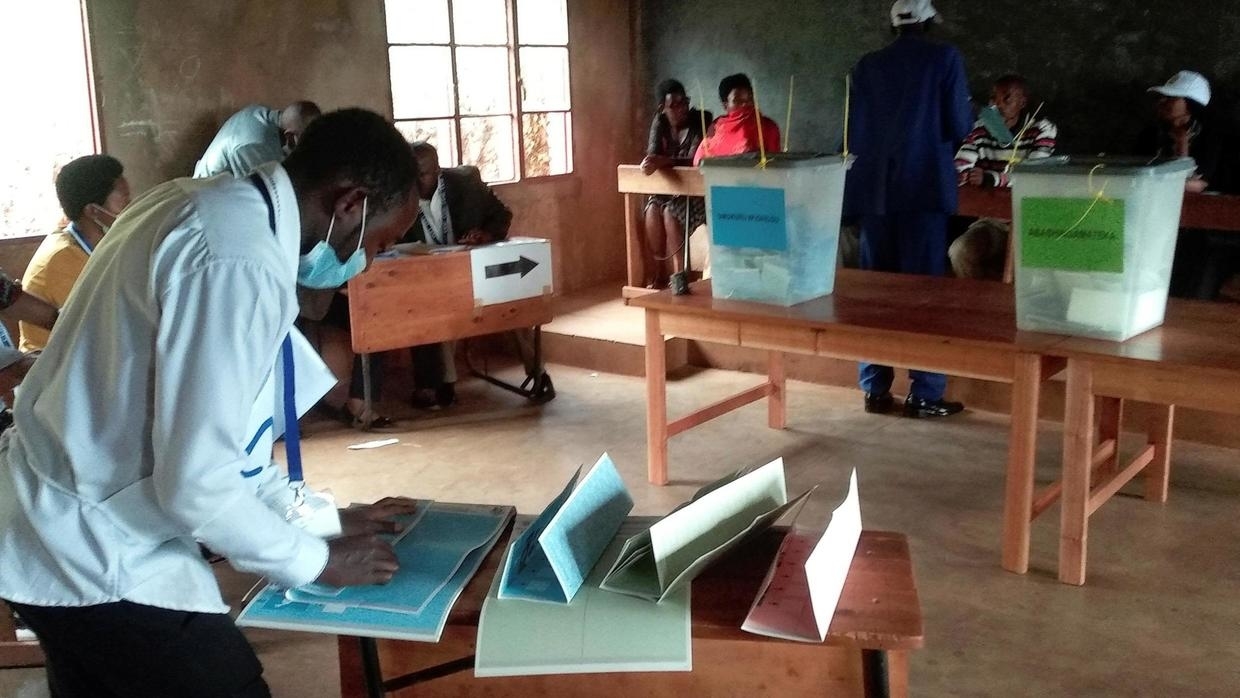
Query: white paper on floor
[[373, 444]]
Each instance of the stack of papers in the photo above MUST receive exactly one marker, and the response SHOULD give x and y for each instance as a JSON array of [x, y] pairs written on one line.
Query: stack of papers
[[656, 563], [798, 599], [552, 558], [438, 556], [597, 632]]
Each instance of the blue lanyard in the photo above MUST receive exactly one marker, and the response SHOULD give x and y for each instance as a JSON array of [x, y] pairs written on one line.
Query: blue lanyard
[[72, 229], [292, 431]]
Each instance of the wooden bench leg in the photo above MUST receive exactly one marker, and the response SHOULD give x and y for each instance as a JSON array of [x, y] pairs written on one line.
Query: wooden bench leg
[[1158, 472], [656, 400], [777, 406], [1078, 448], [1022, 455], [1110, 411]]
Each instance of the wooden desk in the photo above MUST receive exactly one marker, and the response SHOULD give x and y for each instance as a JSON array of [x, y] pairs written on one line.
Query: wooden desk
[[1193, 360], [1201, 211], [962, 327], [14, 652], [878, 621], [427, 299], [636, 186]]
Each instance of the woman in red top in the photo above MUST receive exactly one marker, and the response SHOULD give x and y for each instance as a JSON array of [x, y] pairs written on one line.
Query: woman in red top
[[736, 132]]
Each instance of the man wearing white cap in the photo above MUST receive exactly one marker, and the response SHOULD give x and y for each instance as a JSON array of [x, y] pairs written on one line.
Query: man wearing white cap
[[1203, 259], [910, 111]]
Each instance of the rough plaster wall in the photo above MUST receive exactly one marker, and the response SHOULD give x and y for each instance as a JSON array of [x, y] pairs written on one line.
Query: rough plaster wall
[[1090, 60], [168, 73]]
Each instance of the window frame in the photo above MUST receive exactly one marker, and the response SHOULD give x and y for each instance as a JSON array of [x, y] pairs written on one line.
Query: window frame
[[516, 88]]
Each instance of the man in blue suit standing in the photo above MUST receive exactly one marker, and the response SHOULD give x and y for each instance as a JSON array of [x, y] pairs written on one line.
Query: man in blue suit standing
[[910, 111]]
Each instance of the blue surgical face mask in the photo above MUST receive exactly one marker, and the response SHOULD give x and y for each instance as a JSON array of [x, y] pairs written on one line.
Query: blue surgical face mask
[[322, 268]]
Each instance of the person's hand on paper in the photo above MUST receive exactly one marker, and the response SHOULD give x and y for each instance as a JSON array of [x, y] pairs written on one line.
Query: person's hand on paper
[[975, 178], [371, 519], [358, 561]]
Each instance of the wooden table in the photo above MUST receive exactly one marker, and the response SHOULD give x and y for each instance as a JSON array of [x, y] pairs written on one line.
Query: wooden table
[[877, 623], [961, 327], [1193, 361], [14, 652], [428, 299]]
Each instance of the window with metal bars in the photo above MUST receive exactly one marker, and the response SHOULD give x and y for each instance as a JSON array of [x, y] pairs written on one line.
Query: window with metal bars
[[484, 81]]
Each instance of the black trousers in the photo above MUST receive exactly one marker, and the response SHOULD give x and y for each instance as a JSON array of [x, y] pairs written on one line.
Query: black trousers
[[124, 650]]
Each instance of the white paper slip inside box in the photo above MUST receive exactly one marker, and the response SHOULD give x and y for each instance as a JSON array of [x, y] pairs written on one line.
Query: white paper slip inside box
[[597, 632], [720, 516], [551, 559], [798, 599]]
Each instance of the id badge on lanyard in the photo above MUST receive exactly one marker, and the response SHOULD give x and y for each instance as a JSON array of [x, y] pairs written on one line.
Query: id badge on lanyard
[[315, 512]]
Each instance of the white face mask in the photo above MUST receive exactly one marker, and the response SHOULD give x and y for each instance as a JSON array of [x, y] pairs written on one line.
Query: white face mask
[[321, 268]]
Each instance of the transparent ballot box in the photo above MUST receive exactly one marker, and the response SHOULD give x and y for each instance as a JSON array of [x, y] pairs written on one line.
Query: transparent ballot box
[[775, 230], [1094, 240]]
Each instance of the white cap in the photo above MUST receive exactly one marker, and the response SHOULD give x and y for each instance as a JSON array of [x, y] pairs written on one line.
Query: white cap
[[912, 12], [1187, 84]]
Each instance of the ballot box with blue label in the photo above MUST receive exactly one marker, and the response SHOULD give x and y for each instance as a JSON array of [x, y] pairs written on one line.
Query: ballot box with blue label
[[775, 226], [1094, 240]]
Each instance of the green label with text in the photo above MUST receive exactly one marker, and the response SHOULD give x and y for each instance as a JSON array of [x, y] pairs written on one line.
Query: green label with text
[[1072, 234]]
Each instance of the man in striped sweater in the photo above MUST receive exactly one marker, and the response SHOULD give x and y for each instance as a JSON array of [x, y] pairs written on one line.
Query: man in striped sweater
[[1004, 135]]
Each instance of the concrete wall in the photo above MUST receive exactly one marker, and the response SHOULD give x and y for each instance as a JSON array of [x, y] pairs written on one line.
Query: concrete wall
[[168, 73], [1090, 60]]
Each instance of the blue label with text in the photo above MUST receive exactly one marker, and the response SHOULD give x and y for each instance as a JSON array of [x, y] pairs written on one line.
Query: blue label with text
[[748, 217]]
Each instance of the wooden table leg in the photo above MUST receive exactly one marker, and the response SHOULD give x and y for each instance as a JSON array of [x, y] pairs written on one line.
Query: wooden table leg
[[777, 406], [1022, 458], [1158, 472], [1078, 446], [1110, 421], [656, 400]]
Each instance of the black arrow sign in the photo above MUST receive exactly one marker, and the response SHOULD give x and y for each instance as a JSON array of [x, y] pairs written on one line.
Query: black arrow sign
[[523, 266]]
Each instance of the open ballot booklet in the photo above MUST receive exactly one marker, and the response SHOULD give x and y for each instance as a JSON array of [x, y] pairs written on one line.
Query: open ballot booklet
[[596, 632], [661, 560], [440, 549], [551, 559], [802, 589]]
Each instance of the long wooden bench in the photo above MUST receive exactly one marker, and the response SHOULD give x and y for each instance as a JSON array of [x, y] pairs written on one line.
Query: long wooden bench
[[1200, 212]]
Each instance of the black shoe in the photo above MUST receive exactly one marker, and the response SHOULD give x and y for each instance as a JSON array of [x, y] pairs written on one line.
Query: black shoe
[[445, 395], [879, 404], [425, 399], [917, 408]]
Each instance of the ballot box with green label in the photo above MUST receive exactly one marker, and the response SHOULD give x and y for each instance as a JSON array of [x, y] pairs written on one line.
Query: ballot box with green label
[[774, 229], [1094, 240]]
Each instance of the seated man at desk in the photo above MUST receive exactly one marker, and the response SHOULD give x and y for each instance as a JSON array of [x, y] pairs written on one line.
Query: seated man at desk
[[456, 208], [92, 191], [986, 159]]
